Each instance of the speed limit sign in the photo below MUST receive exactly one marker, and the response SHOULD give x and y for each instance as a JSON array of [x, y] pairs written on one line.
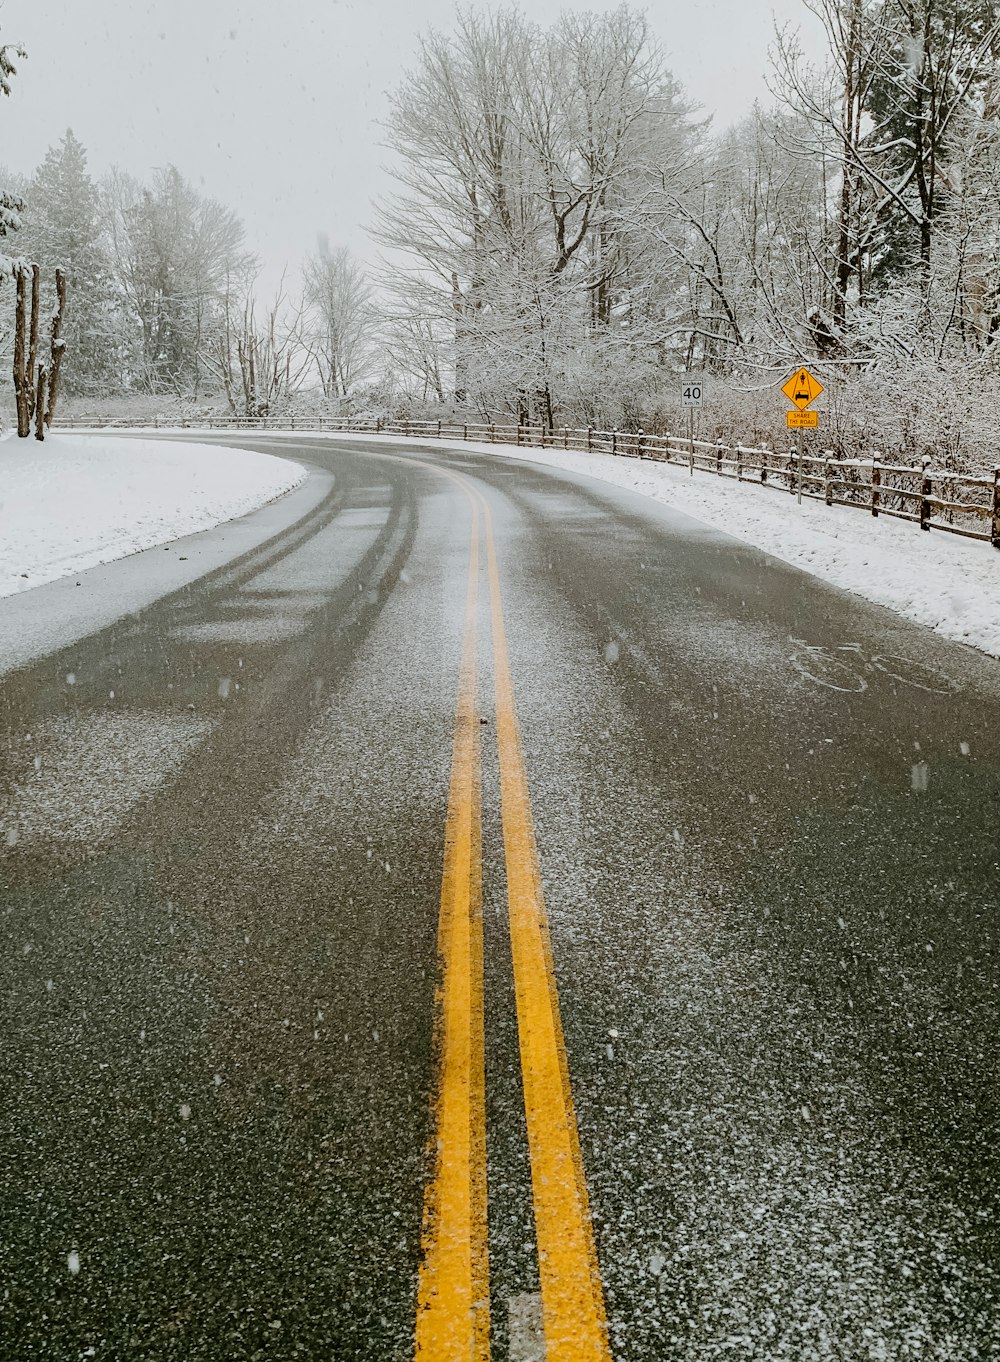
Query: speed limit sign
[[691, 393]]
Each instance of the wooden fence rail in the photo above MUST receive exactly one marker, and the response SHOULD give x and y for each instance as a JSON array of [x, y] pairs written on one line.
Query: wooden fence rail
[[933, 498]]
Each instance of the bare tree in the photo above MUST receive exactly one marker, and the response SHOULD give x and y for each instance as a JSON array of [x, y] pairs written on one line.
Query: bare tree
[[901, 73], [340, 318], [515, 147], [258, 354]]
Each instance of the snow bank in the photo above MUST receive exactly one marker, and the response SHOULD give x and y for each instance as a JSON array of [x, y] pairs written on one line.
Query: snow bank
[[74, 501], [943, 581]]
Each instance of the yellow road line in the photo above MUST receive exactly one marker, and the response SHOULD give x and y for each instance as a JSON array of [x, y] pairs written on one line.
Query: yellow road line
[[573, 1312], [453, 1318]]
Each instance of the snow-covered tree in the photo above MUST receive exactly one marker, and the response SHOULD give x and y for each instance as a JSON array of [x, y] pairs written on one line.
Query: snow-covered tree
[[11, 203], [63, 228], [172, 252], [258, 354], [340, 319], [516, 149]]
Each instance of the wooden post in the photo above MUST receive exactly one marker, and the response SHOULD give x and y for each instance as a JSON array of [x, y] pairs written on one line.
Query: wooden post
[[565, 437], [995, 532], [519, 432], [493, 434], [439, 428], [614, 441], [925, 492], [590, 439], [719, 446], [378, 425], [739, 463], [876, 481], [764, 456], [827, 479]]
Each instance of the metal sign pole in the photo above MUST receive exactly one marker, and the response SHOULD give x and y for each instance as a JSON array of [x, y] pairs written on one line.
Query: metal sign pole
[[799, 497], [691, 440]]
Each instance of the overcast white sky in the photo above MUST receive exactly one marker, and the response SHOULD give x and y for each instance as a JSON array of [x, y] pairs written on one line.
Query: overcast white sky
[[272, 105]]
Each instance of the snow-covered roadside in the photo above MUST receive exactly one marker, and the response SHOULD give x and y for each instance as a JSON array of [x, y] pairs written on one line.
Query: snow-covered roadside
[[943, 581], [74, 501]]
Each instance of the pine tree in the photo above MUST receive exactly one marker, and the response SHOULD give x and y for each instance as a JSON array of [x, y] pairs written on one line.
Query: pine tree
[[63, 229], [10, 203]]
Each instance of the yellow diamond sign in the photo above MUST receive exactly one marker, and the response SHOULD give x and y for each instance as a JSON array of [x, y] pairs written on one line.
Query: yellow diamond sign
[[802, 388]]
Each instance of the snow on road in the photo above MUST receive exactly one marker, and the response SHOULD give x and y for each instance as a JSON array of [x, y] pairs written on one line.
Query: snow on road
[[74, 501], [940, 580]]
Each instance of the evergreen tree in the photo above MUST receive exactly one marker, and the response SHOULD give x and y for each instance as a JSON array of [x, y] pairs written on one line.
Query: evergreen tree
[[63, 228], [10, 203]]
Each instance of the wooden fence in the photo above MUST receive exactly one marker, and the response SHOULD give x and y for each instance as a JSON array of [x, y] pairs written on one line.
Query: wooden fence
[[934, 499]]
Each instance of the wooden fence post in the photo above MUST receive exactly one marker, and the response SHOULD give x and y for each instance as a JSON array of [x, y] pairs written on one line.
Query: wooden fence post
[[827, 478], [565, 437], [590, 439], [995, 533], [876, 480], [378, 425], [718, 457], [739, 462], [465, 430], [614, 441], [925, 492], [439, 428]]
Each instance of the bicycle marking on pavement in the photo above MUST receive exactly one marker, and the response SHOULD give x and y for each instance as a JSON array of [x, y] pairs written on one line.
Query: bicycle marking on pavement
[[819, 665], [927, 678], [814, 666]]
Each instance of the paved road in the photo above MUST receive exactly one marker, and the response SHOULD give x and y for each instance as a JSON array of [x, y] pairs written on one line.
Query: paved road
[[496, 860]]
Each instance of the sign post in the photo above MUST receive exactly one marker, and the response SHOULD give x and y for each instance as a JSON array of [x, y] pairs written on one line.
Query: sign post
[[801, 390], [691, 397]]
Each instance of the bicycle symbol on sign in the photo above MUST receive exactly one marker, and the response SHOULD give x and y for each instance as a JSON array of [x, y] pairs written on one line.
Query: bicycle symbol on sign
[[846, 666]]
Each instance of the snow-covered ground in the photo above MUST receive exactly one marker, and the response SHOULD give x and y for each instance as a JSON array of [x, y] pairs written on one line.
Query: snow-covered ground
[[943, 581], [77, 500]]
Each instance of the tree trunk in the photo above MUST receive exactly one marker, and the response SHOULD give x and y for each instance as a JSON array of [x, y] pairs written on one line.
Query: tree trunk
[[43, 382], [36, 298], [57, 347], [20, 374]]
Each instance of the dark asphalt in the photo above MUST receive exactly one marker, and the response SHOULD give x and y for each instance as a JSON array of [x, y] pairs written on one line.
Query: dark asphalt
[[774, 909]]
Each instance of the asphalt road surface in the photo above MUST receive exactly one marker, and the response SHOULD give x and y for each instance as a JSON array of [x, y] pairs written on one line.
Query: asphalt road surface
[[499, 917]]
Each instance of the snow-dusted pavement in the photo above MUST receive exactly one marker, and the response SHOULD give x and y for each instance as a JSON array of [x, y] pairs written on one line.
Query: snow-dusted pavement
[[74, 501], [765, 814]]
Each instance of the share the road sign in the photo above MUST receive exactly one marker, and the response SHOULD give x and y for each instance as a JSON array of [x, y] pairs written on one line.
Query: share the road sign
[[801, 420], [802, 388]]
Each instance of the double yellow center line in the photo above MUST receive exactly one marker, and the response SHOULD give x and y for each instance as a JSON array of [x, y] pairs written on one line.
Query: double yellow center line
[[453, 1291]]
